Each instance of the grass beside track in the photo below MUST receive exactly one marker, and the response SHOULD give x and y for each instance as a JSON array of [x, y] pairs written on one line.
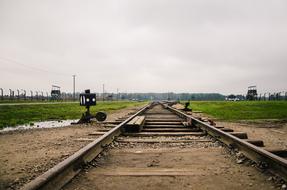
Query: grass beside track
[[242, 110], [12, 115], [30, 101]]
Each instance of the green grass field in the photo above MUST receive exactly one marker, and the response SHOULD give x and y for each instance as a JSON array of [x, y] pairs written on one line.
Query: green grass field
[[242, 110], [30, 101], [12, 115]]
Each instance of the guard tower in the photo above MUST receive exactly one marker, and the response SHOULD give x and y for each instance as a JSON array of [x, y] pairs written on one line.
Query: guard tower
[[251, 93], [55, 92]]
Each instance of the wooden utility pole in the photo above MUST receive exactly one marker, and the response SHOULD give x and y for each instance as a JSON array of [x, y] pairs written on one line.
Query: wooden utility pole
[[74, 87], [103, 92]]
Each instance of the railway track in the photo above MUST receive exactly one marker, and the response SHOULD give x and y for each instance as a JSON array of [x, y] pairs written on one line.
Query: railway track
[[172, 150]]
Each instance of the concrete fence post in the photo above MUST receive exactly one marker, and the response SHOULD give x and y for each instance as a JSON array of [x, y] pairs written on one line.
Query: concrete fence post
[[11, 94], [1, 93], [18, 94], [31, 94], [269, 96], [24, 94]]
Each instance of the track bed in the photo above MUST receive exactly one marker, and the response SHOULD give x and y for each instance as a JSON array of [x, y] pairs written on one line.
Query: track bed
[[167, 155]]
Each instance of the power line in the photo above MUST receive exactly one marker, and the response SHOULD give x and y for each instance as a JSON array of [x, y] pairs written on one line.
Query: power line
[[31, 67]]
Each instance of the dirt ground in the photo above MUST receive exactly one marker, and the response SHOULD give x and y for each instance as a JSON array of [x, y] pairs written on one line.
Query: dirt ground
[[165, 166], [272, 132], [26, 154]]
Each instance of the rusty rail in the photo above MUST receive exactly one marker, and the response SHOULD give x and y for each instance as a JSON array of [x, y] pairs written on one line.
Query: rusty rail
[[262, 157], [62, 173]]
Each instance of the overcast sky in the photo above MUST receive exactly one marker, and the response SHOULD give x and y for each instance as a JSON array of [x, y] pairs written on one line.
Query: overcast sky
[[144, 46]]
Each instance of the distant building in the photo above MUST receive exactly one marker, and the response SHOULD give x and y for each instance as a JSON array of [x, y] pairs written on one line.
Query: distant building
[[55, 92], [232, 98], [251, 93]]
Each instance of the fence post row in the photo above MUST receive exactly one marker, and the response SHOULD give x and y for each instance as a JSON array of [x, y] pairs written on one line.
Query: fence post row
[[22, 94]]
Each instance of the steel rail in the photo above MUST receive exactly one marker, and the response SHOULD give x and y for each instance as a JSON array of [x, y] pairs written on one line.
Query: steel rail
[[63, 172], [269, 161]]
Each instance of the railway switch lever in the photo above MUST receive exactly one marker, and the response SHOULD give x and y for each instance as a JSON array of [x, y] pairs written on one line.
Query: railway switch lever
[[88, 99]]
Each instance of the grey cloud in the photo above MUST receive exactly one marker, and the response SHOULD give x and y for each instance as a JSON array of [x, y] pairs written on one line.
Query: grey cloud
[[182, 46]]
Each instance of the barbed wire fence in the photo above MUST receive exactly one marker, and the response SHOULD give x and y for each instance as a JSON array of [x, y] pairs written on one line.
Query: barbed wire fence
[[22, 94], [30, 95], [275, 96]]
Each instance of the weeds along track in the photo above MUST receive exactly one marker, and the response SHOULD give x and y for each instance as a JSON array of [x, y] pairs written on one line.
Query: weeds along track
[[164, 148]]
